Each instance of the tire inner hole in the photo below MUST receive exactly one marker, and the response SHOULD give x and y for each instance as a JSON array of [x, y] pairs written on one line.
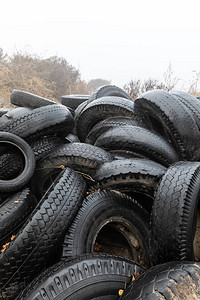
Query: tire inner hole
[[111, 240]]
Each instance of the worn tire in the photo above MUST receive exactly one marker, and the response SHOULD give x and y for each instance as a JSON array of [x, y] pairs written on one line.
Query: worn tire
[[174, 213], [135, 177], [26, 99], [83, 158], [43, 145], [173, 280], [108, 90], [45, 120], [111, 211], [109, 123], [36, 244], [172, 119], [14, 212], [139, 141], [90, 276], [73, 101], [101, 109], [27, 170]]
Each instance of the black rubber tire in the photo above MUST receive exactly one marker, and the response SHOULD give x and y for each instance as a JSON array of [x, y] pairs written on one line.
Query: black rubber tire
[[11, 164], [43, 145], [25, 151], [108, 90], [90, 276], [46, 120], [115, 211], [26, 99], [36, 244], [139, 141], [170, 118], [77, 112], [191, 102], [101, 109], [14, 212], [81, 157], [173, 280], [174, 213], [131, 176], [73, 101], [109, 123]]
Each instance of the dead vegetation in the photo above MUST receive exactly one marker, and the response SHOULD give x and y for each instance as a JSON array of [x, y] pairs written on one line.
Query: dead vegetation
[[50, 78], [54, 77]]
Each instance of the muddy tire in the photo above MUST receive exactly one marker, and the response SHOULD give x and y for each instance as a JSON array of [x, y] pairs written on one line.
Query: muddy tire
[[139, 141], [97, 276], [173, 280], [26, 99], [168, 116], [101, 109], [37, 243], [174, 214], [25, 152], [116, 216]]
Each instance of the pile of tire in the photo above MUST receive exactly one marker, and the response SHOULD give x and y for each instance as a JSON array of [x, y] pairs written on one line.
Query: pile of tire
[[99, 196]]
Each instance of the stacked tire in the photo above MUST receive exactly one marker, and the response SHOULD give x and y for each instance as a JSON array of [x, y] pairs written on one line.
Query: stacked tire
[[99, 196]]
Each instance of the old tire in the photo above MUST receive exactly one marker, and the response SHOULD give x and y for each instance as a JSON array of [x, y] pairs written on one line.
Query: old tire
[[24, 150], [172, 119], [45, 120], [108, 90], [37, 243], [119, 219], [139, 141], [101, 109], [109, 123], [43, 145], [26, 99], [73, 101], [174, 213], [90, 276], [173, 280], [83, 158], [135, 177], [14, 212]]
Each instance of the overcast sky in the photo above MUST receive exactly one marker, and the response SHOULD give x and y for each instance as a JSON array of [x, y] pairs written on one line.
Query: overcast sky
[[114, 40]]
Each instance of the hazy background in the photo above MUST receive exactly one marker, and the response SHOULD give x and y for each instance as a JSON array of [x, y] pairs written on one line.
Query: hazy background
[[113, 40]]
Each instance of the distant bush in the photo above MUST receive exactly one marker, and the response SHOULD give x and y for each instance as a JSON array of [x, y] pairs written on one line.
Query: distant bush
[[50, 78]]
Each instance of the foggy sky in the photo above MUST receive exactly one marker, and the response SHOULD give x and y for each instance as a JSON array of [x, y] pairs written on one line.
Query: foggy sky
[[113, 40]]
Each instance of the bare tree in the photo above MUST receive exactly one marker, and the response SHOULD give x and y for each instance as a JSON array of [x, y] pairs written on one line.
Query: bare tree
[[170, 81], [137, 87]]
